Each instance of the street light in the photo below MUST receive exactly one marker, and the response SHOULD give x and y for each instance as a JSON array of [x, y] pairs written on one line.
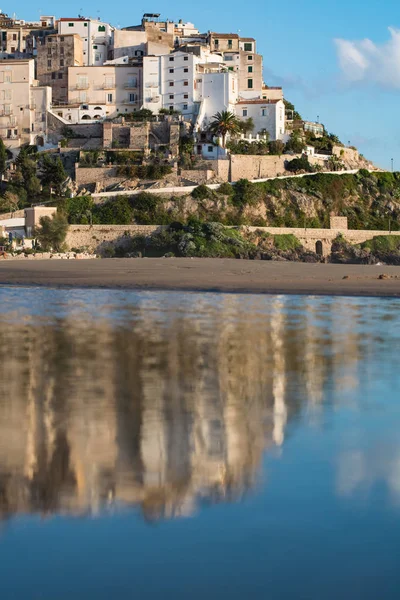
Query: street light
[[392, 164]]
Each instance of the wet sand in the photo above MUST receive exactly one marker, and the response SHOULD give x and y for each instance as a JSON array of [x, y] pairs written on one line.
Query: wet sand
[[224, 275]]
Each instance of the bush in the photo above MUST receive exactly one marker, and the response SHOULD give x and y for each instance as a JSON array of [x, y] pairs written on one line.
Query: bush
[[226, 189], [286, 241], [52, 232], [299, 164], [246, 193], [382, 244], [202, 192]]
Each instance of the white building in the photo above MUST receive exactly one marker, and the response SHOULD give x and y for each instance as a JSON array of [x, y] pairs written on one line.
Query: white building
[[268, 116], [96, 37], [23, 104], [196, 86]]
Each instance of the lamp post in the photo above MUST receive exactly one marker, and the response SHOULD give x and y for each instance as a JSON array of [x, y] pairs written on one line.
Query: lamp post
[[392, 164]]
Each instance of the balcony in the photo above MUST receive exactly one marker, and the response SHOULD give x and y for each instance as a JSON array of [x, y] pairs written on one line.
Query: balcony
[[82, 86], [130, 85], [108, 86], [127, 101], [154, 99]]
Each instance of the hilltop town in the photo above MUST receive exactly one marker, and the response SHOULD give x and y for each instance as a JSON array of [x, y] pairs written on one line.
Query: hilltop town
[[150, 124]]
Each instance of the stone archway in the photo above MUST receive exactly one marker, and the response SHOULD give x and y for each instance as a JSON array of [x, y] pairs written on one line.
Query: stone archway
[[319, 248]]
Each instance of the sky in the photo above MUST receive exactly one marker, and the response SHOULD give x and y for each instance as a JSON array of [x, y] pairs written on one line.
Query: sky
[[339, 61]]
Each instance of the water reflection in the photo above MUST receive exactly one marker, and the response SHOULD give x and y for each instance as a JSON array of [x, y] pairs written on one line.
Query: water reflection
[[165, 400]]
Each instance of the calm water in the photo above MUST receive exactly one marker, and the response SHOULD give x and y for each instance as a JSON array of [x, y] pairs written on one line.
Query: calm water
[[183, 446]]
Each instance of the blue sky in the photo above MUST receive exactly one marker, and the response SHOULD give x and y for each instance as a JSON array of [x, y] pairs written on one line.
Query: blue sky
[[334, 59]]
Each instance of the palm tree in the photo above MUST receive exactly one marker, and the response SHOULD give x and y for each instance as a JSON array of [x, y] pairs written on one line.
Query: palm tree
[[223, 123]]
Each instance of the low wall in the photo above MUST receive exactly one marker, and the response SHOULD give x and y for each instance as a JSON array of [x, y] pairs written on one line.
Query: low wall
[[310, 237], [97, 237], [105, 176]]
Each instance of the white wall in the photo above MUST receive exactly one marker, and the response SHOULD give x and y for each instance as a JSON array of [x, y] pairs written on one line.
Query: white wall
[[216, 92], [95, 42], [269, 116]]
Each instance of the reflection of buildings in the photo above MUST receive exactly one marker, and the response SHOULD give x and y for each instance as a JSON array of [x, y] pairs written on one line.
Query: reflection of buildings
[[161, 408]]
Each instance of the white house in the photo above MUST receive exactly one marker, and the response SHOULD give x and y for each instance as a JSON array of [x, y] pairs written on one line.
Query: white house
[[96, 37], [268, 116]]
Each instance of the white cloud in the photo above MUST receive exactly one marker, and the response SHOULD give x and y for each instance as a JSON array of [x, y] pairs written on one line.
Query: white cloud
[[366, 62]]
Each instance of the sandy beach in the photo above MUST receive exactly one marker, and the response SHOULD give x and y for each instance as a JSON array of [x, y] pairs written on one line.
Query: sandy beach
[[206, 275]]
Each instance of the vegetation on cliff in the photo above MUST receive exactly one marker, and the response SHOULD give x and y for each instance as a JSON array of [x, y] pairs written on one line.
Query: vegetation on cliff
[[369, 200]]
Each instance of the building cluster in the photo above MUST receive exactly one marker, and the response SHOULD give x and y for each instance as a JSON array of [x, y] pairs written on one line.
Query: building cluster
[[83, 70]]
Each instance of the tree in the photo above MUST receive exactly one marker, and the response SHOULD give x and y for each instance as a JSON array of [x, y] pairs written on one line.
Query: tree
[[290, 107], [9, 202], [52, 173], [3, 157], [296, 143], [224, 123], [247, 126], [52, 232], [299, 164], [276, 147]]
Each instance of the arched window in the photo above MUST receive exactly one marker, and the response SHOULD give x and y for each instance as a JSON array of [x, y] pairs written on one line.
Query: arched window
[[97, 108], [318, 248]]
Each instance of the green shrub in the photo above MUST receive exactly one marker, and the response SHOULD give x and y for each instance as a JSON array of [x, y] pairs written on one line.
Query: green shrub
[[226, 189], [201, 192], [382, 244], [299, 164], [286, 241]]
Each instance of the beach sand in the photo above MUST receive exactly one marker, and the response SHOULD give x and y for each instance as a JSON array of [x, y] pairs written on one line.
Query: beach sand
[[223, 275]]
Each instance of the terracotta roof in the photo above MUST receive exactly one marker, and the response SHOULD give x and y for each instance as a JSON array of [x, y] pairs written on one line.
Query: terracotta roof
[[247, 39], [225, 36], [258, 101], [74, 19]]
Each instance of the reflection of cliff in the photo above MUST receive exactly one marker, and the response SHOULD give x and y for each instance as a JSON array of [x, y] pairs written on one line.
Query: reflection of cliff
[[160, 408]]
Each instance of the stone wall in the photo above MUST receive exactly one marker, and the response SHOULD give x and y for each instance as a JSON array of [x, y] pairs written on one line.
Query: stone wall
[[256, 167], [104, 176], [98, 237], [340, 223], [197, 175], [310, 237]]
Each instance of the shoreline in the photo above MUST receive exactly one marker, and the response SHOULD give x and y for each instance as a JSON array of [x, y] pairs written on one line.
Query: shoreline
[[206, 275]]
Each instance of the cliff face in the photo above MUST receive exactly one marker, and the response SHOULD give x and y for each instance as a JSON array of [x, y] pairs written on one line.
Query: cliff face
[[369, 200]]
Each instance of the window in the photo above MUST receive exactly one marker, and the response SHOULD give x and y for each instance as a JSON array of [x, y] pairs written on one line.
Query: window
[[186, 83], [264, 112], [7, 77], [60, 76], [14, 36], [109, 97], [244, 113], [186, 96], [185, 58], [186, 70], [102, 28], [171, 107], [53, 75], [248, 47], [171, 59], [61, 62], [62, 50], [12, 49], [249, 57], [94, 47], [70, 24], [132, 97], [250, 84], [49, 51], [210, 149], [250, 69], [61, 38], [171, 84], [216, 42], [171, 70], [85, 24], [171, 96], [49, 64], [230, 44], [185, 107]]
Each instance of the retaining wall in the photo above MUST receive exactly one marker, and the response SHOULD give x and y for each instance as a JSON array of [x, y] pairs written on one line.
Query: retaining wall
[[96, 237]]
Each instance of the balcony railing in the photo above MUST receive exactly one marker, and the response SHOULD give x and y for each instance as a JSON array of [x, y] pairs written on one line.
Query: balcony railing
[[127, 101], [130, 86], [108, 86], [82, 86]]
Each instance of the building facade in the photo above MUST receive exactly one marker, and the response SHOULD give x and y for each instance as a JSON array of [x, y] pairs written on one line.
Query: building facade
[[96, 38], [55, 54], [23, 104]]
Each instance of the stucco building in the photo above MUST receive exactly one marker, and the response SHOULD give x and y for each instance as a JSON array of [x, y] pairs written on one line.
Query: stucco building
[[23, 104], [96, 37], [55, 54]]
